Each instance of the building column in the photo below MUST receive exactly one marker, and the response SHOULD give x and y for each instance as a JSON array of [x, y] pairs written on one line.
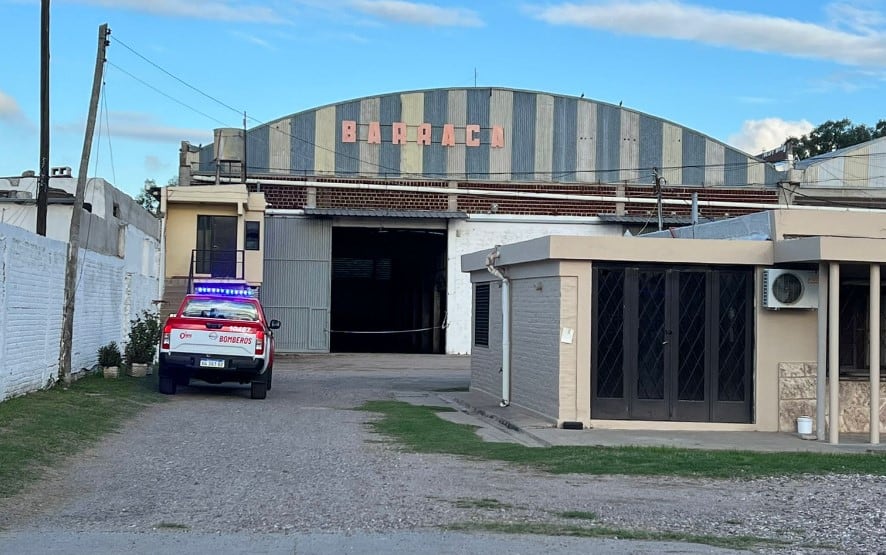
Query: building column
[[834, 351], [874, 315], [822, 358]]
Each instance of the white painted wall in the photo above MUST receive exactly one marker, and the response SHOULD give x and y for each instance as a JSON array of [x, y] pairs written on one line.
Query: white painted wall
[[484, 232], [110, 292]]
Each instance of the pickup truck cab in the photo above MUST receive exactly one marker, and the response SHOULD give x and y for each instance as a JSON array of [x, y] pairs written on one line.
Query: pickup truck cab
[[216, 339]]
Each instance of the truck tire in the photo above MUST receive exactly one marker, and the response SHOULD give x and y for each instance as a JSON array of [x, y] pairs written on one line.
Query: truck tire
[[167, 385], [259, 389]]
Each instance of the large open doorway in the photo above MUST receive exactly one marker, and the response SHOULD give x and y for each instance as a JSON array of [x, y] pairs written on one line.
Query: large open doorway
[[388, 290], [672, 343]]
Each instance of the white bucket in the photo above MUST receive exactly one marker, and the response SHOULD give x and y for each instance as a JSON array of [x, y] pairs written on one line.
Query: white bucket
[[804, 425]]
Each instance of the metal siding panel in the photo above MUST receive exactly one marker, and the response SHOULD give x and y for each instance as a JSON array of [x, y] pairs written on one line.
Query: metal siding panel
[[608, 142], [736, 172], [280, 145], [714, 160], [347, 155], [810, 175], [297, 284], [301, 156], [257, 146], [477, 158], [324, 141], [586, 147], [370, 110], [693, 158], [856, 168], [206, 161], [876, 152], [544, 137], [565, 136], [650, 152], [458, 113], [434, 155], [502, 113], [389, 160], [413, 113], [756, 172], [523, 154], [629, 148], [672, 153]]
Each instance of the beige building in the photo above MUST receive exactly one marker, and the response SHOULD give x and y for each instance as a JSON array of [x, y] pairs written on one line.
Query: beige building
[[730, 330], [210, 232]]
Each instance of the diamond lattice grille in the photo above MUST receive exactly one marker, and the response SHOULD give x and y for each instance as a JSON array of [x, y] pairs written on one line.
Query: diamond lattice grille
[[691, 378], [733, 342], [610, 333], [650, 363]]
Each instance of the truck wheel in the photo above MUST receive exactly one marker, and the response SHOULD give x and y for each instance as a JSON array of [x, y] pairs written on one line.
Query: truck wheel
[[167, 385], [259, 389]]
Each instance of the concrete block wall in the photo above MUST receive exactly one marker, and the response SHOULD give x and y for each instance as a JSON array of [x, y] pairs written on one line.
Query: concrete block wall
[[486, 361], [110, 291], [535, 344]]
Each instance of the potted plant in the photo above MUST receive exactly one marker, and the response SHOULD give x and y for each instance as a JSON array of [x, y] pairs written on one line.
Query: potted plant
[[109, 358], [144, 335]]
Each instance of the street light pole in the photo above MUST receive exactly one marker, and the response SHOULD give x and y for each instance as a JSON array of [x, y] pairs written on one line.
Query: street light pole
[[659, 183], [43, 178]]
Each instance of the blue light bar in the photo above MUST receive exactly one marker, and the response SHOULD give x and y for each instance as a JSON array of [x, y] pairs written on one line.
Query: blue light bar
[[225, 291]]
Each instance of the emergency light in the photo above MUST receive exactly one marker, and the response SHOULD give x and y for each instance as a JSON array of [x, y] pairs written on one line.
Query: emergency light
[[245, 291]]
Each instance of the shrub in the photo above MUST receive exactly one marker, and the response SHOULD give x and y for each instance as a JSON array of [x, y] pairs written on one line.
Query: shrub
[[109, 355], [144, 335]]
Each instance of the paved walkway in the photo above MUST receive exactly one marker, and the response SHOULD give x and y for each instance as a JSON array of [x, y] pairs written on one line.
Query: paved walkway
[[528, 428]]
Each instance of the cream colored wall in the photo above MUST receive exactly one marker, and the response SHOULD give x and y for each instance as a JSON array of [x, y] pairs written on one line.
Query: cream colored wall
[[787, 335], [808, 223], [181, 233], [254, 261], [575, 357]]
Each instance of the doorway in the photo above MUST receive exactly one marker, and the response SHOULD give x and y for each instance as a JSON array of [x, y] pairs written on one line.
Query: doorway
[[217, 246], [672, 343]]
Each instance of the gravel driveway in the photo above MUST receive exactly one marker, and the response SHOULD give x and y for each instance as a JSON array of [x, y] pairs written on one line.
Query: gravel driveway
[[214, 461]]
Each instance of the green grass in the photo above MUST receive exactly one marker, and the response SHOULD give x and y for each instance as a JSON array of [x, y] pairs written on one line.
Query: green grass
[[546, 529], [578, 515], [485, 503], [39, 430], [419, 429]]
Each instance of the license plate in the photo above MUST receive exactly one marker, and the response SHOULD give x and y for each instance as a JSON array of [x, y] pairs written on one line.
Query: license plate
[[211, 363]]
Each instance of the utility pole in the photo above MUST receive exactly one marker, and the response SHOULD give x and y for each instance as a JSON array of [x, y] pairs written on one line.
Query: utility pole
[[659, 183], [43, 179], [245, 149], [64, 357]]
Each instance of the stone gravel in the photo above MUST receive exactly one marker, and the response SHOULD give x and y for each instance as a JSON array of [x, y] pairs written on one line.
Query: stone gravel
[[214, 461]]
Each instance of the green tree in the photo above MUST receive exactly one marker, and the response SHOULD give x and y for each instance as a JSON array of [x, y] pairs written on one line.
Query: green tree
[[834, 135], [146, 197]]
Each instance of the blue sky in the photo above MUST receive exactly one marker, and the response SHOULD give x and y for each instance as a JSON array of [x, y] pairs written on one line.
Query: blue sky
[[748, 73]]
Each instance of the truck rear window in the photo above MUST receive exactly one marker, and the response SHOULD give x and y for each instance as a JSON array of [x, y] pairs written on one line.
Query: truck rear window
[[228, 309]]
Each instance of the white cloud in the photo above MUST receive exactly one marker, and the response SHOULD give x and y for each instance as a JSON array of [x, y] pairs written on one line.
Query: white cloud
[[856, 36], [11, 112], [141, 127], [253, 39], [219, 10], [414, 13], [759, 135]]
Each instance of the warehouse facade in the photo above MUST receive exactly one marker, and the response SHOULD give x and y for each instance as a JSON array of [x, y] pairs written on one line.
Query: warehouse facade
[[371, 202]]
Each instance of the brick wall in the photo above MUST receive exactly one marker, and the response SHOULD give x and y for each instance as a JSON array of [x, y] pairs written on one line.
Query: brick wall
[[295, 197], [486, 361], [110, 291], [535, 344]]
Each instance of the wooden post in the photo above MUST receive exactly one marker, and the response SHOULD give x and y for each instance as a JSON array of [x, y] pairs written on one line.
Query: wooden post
[[64, 358]]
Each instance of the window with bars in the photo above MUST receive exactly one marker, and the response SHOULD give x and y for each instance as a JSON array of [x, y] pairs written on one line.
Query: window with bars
[[481, 315]]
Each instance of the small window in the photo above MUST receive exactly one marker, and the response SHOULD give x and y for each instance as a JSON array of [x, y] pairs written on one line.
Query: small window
[[252, 235], [115, 210], [481, 315]]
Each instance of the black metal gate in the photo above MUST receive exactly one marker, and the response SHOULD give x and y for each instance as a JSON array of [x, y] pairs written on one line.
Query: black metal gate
[[672, 343]]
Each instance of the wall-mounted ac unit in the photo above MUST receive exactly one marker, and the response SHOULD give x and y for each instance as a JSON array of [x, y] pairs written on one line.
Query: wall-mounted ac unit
[[790, 289]]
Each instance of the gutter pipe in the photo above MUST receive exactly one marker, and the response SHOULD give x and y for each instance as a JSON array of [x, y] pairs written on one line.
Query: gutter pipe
[[505, 326]]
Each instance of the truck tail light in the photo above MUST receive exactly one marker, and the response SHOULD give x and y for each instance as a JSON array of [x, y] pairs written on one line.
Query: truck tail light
[[167, 330], [259, 342]]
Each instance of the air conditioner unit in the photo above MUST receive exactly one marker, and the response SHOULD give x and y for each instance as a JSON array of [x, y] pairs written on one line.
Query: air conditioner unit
[[790, 289]]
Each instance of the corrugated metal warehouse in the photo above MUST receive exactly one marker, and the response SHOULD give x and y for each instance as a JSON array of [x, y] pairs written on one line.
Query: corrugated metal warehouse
[[372, 202]]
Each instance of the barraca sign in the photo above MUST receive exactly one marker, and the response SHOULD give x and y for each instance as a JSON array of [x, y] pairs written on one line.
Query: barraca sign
[[422, 134]]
